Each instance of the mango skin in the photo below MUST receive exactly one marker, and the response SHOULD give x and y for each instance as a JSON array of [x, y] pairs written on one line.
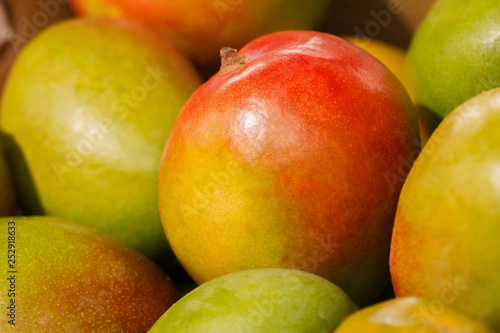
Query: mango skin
[[261, 301], [7, 196], [71, 278], [287, 162], [395, 59], [200, 28], [446, 232], [455, 53], [390, 55], [410, 315], [87, 109]]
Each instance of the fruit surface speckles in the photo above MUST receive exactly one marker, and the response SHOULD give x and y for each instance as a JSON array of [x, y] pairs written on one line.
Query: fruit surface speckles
[[70, 277], [284, 158]]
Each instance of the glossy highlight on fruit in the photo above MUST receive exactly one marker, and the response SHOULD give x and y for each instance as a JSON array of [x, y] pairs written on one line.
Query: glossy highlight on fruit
[[395, 59], [290, 159], [390, 55]]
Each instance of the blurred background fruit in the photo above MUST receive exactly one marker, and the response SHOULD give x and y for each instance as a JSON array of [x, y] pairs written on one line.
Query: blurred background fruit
[[411, 12], [410, 315], [390, 21], [455, 54], [7, 195], [259, 301], [86, 112], [446, 232], [290, 160], [20, 21], [202, 27], [69, 278]]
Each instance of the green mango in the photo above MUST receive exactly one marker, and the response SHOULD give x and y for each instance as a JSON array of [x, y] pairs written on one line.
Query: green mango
[[455, 53], [87, 109], [265, 300]]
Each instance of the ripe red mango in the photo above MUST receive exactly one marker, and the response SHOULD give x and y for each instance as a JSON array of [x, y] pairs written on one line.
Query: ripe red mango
[[288, 159]]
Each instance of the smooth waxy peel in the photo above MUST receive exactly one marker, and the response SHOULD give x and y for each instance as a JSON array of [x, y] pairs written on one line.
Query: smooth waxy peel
[[455, 53], [259, 301], [450, 202], [86, 112], [281, 162]]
